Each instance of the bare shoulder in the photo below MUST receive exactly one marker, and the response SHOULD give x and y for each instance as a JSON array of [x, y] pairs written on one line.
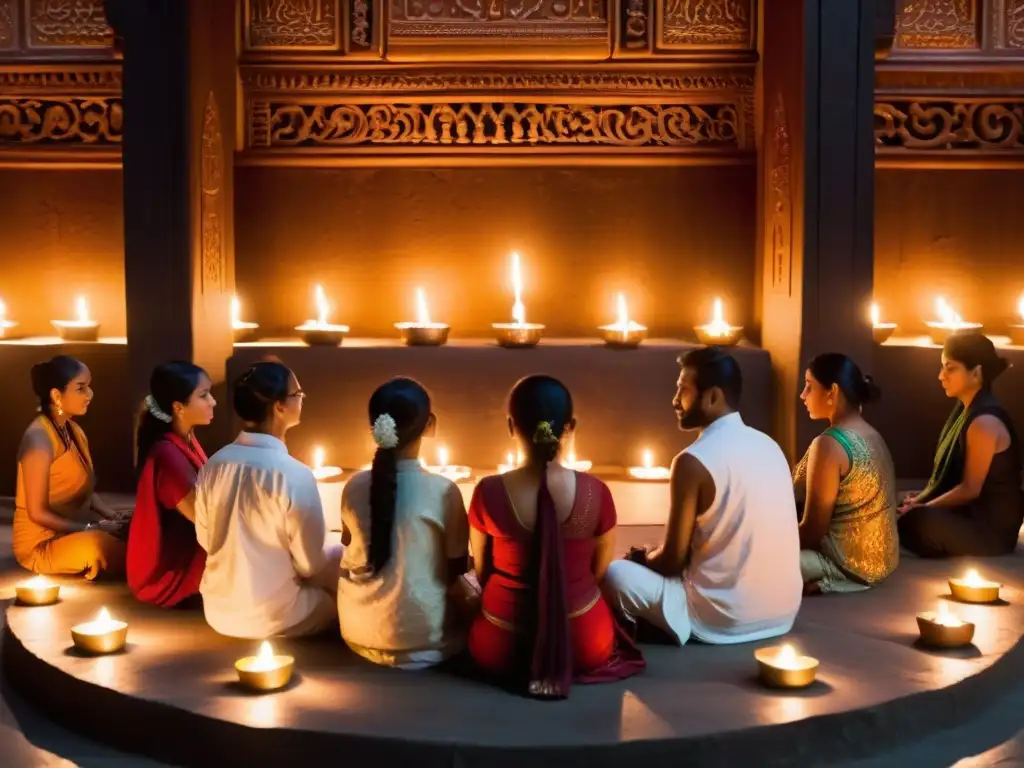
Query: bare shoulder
[[687, 468], [989, 425], [826, 448]]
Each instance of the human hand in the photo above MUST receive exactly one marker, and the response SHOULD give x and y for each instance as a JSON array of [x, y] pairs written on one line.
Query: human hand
[[909, 502], [113, 527]]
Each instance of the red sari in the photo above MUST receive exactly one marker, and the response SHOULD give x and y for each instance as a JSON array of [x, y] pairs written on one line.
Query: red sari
[[543, 621], [165, 562]]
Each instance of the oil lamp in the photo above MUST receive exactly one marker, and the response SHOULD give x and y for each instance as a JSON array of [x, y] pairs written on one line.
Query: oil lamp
[[37, 591], [6, 326], [265, 671], [1017, 330], [511, 462], [453, 472], [647, 471], [571, 462], [943, 629], [101, 635], [81, 328], [949, 323], [518, 334], [328, 484], [423, 333], [881, 332], [319, 332], [783, 667], [241, 330], [623, 333], [718, 332], [974, 589]]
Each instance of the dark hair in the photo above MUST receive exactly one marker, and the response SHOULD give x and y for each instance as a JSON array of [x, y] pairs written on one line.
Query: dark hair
[[169, 383], [837, 369], [255, 391], [541, 408], [408, 404], [55, 373], [715, 368], [974, 349]]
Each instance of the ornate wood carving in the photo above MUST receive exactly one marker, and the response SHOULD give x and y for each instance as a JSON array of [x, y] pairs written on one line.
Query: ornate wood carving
[[780, 221], [81, 121], [960, 126], [930, 24], [634, 24], [8, 25], [1013, 28], [498, 28], [359, 32], [67, 24], [706, 23], [212, 200], [296, 25]]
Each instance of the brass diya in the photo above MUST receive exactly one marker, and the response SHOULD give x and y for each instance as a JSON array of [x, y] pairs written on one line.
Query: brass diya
[[940, 332], [423, 334], [782, 667], [37, 591], [518, 335], [882, 332], [711, 335], [974, 589], [322, 335], [938, 631], [623, 337], [243, 332], [266, 671], [101, 635], [74, 330]]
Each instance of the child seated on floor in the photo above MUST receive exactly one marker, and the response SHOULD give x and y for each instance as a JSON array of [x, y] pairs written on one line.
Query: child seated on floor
[[406, 539], [259, 518]]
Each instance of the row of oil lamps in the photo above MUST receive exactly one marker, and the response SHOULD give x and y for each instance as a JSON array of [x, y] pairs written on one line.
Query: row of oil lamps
[[949, 322], [779, 666]]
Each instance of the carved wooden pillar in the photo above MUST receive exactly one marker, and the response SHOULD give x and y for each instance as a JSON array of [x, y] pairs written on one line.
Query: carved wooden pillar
[[179, 102], [817, 192]]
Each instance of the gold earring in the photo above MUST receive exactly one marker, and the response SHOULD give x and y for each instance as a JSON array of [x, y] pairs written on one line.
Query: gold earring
[[60, 411]]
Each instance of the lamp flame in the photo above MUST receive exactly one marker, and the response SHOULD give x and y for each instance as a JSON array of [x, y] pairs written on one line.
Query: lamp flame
[[103, 617], [323, 307], [1020, 307], [947, 315], [442, 456], [786, 658], [318, 458], [648, 459], [876, 315], [422, 313], [82, 309], [944, 617], [236, 311], [717, 326], [623, 312], [3, 311], [973, 579], [518, 309]]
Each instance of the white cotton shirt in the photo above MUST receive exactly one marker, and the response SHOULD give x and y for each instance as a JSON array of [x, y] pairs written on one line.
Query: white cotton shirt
[[258, 516], [399, 617], [743, 581]]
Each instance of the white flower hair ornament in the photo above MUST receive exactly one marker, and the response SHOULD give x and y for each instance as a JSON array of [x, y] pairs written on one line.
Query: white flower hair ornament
[[385, 432], [156, 411]]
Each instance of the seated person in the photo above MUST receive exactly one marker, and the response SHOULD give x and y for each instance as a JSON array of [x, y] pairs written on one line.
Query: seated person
[[61, 527], [542, 536], [406, 538], [973, 503], [259, 518], [847, 483], [729, 569], [165, 562]]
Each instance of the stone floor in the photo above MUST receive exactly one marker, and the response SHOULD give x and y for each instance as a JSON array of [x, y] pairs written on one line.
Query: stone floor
[[28, 739]]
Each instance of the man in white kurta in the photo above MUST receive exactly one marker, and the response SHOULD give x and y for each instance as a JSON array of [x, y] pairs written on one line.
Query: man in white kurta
[[259, 518], [729, 570]]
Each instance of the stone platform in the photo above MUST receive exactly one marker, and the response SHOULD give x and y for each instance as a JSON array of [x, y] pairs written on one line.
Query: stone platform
[[171, 695]]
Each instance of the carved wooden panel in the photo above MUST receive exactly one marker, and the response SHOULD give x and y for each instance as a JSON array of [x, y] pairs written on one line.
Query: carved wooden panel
[[1013, 25], [960, 125], [211, 203], [66, 24], [499, 29], [779, 237], [8, 25], [686, 24], [292, 25], [938, 24], [60, 120]]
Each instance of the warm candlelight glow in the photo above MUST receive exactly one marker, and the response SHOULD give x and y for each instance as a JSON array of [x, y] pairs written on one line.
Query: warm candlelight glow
[[442, 456], [718, 326], [876, 315], [518, 333], [236, 311], [265, 660], [422, 313], [972, 588], [266, 671], [443, 468], [946, 618], [1020, 307], [423, 332], [101, 625], [82, 310], [647, 470], [323, 307], [38, 590], [949, 317], [318, 458], [786, 657], [509, 464], [623, 332], [718, 331], [784, 667], [321, 331], [241, 328], [323, 472], [101, 635], [37, 582], [571, 462], [518, 308], [973, 579]]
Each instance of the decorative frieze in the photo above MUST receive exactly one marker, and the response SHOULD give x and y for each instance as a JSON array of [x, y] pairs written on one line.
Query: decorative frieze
[[92, 80], [8, 25], [295, 25], [938, 24], [67, 24], [212, 213], [1013, 28], [75, 121], [962, 126], [706, 23]]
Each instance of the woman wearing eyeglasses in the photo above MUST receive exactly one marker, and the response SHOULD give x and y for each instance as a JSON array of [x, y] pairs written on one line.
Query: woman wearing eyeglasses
[[259, 518]]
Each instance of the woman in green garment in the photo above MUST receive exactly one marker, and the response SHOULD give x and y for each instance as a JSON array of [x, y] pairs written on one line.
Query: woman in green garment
[[848, 539], [973, 504]]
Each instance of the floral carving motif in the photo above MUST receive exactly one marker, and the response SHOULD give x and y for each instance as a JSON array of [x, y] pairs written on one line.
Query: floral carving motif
[[301, 24], [211, 201], [360, 35], [635, 27], [68, 23], [962, 126], [938, 24], [494, 124], [707, 22], [780, 219], [1015, 24], [517, 19], [89, 121], [8, 29]]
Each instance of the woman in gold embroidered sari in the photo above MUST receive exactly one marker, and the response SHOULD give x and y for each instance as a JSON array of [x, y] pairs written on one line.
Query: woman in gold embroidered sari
[[61, 527]]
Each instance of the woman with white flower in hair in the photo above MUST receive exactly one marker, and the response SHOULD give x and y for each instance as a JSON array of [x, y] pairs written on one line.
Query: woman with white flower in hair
[[165, 562], [406, 540]]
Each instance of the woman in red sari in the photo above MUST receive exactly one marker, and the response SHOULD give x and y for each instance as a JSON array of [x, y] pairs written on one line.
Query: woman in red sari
[[542, 537], [165, 562]]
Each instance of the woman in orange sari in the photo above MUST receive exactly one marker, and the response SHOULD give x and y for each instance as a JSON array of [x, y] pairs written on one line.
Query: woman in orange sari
[[61, 527]]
